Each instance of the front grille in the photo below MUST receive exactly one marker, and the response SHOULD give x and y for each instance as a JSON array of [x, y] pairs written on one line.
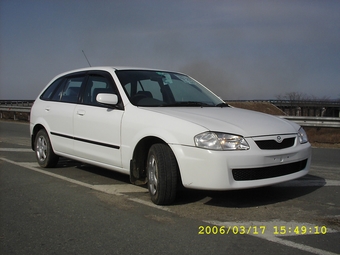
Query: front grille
[[249, 174], [274, 145]]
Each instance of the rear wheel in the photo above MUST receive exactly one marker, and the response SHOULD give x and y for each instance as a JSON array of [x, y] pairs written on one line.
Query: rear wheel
[[162, 173], [43, 150]]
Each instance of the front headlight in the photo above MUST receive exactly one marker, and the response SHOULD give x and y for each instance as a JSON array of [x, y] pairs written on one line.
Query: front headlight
[[220, 141], [302, 136]]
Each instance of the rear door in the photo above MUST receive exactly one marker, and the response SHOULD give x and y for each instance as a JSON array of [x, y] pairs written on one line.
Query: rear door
[[97, 127], [58, 104]]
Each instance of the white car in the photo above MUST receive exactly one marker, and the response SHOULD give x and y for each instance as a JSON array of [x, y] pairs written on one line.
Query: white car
[[163, 129]]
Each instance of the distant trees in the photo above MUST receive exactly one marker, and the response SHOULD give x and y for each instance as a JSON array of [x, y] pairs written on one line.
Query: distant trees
[[298, 96], [301, 104]]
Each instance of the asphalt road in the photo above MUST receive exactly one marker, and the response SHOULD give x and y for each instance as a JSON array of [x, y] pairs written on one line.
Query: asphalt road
[[80, 209]]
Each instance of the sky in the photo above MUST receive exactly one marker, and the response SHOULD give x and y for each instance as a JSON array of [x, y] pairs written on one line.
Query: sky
[[240, 49]]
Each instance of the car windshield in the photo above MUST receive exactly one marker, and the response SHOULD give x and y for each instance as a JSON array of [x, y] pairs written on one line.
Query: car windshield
[[165, 89]]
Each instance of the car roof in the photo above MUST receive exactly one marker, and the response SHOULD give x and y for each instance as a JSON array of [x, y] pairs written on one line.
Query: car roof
[[110, 68]]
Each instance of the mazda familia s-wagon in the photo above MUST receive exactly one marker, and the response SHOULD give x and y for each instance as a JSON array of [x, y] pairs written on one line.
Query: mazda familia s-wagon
[[164, 129]]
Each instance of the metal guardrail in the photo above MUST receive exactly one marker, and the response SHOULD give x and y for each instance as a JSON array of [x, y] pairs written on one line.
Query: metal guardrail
[[12, 103], [304, 121], [329, 103], [16, 109], [15, 112], [313, 103]]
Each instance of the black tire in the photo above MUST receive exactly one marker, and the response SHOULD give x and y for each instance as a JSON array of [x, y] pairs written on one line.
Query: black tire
[[44, 151], [162, 171]]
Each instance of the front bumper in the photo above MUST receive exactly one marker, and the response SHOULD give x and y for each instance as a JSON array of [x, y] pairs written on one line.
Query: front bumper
[[213, 170]]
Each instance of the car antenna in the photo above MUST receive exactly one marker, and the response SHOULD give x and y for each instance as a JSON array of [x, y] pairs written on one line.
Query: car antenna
[[86, 58]]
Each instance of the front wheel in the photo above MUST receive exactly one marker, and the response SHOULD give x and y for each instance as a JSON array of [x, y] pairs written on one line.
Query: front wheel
[[44, 151], [162, 170]]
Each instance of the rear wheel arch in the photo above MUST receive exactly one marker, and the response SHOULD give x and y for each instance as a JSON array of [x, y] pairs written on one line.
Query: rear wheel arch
[[35, 131], [43, 148]]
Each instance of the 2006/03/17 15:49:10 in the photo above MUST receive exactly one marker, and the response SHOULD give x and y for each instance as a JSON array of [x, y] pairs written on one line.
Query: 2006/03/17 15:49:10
[[261, 230]]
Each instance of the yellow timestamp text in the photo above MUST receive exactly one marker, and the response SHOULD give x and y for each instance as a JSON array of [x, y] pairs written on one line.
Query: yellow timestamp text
[[235, 230], [299, 230], [261, 230]]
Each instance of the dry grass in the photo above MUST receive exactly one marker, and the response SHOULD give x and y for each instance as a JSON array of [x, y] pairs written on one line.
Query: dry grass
[[20, 116], [265, 107], [323, 137]]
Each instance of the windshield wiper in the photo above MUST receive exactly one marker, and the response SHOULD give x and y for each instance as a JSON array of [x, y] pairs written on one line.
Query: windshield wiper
[[222, 105], [186, 103]]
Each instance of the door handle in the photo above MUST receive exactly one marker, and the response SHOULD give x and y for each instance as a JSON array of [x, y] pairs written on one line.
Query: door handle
[[81, 112], [47, 109]]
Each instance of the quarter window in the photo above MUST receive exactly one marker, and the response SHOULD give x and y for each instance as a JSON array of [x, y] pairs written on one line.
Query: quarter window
[[49, 92]]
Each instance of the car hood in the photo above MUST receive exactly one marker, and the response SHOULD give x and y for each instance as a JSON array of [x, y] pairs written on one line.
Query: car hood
[[231, 120]]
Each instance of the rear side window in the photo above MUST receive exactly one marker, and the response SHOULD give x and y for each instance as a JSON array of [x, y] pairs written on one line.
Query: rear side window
[[71, 90], [64, 89]]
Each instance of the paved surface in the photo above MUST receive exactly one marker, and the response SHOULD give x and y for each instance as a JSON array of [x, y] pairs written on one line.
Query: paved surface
[[77, 208]]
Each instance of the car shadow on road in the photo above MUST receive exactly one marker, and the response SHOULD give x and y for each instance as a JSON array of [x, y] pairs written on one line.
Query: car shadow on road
[[88, 173], [253, 197], [245, 198]]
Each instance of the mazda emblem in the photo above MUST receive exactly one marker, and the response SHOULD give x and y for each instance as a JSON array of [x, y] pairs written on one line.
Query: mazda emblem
[[279, 139]]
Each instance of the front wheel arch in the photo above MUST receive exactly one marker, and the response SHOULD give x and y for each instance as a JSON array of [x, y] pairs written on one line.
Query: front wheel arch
[[162, 174], [138, 163]]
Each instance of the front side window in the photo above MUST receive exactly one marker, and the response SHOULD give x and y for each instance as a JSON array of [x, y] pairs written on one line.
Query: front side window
[[158, 88], [96, 84]]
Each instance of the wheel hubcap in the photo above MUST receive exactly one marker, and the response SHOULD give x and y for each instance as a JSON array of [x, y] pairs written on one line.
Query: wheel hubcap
[[41, 149], [152, 175]]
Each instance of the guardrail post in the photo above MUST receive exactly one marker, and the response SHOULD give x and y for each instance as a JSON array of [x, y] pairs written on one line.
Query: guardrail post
[[298, 111]]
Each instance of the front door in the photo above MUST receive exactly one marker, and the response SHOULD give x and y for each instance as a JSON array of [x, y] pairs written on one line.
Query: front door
[[97, 127]]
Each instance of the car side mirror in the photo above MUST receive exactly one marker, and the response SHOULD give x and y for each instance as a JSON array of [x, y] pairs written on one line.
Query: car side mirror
[[107, 99]]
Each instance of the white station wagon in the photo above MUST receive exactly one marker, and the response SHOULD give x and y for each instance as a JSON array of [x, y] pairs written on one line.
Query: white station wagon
[[164, 129]]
